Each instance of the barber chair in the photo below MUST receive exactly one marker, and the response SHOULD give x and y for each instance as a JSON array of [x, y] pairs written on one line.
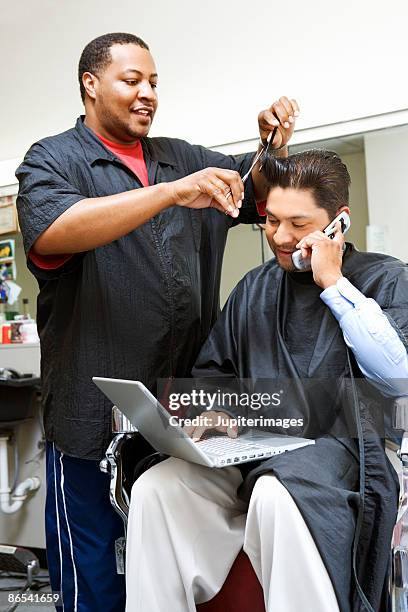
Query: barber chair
[[241, 591]]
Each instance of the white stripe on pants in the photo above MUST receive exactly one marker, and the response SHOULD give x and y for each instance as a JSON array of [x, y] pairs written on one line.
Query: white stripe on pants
[[186, 527]]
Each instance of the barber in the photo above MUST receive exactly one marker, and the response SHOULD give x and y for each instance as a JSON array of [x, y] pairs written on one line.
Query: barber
[[125, 237]]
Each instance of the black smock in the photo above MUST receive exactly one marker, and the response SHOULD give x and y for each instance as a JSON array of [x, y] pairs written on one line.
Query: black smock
[[275, 327], [138, 308]]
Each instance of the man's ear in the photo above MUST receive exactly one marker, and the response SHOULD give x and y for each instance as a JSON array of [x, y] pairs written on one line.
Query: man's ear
[[342, 209], [90, 83]]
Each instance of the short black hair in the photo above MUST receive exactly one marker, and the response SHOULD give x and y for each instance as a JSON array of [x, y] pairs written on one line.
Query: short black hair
[[97, 56], [320, 171]]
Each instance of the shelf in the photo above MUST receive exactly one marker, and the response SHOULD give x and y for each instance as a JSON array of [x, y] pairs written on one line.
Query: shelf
[[19, 345]]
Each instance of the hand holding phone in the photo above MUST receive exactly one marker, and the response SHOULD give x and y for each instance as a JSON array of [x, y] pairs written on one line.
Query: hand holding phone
[[304, 264]]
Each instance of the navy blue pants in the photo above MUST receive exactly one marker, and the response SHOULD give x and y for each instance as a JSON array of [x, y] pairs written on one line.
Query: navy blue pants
[[81, 528]]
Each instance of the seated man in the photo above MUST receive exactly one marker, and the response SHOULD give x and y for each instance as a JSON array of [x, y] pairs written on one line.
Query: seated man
[[315, 522]]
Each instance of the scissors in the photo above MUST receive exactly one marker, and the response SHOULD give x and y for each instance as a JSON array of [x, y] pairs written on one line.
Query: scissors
[[264, 152]]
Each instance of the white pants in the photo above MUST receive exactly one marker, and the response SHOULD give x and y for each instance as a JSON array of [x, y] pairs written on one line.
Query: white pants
[[186, 527]]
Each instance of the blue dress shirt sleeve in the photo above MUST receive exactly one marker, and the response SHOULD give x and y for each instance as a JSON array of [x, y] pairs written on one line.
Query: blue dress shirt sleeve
[[379, 352]]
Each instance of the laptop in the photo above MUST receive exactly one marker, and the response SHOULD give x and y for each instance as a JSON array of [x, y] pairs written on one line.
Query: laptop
[[152, 420]]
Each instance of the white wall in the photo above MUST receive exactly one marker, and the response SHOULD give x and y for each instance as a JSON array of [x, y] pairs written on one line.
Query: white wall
[[387, 187], [219, 62]]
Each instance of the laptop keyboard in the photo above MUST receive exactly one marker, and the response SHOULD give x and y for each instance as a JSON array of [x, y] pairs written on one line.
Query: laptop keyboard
[[221, 445], [227, 451]]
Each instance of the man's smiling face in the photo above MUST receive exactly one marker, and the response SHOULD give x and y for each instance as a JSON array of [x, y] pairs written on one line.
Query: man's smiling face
[[123, 95], [291, 215]]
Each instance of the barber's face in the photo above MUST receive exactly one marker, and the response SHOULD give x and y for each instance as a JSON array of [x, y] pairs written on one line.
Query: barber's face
[[124, 94], [291, 215]]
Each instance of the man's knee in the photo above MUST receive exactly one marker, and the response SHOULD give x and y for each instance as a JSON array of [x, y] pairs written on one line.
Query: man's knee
[[270, 494], [160, 480]]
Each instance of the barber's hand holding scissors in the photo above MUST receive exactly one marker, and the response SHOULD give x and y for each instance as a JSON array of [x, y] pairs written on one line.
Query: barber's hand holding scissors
[[210, 419], [216, 187], [281, 115], [276, 126], [224, 189], [326, 256]]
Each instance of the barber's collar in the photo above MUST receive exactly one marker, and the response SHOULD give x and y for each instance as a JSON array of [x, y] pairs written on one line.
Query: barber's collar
[[96, 150]]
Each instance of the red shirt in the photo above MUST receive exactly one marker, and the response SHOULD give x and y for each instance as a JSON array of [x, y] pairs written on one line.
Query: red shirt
[[132, 156]]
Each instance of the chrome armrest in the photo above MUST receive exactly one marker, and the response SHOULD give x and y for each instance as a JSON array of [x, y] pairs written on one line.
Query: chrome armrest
[[403, 450], [112, 465], [120, 423], [400, 417]]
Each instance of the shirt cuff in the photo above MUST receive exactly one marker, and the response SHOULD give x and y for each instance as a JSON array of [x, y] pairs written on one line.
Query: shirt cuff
[[342, 297]]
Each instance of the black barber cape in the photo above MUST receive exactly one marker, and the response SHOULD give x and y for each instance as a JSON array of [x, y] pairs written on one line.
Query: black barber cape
[[275, 326]]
